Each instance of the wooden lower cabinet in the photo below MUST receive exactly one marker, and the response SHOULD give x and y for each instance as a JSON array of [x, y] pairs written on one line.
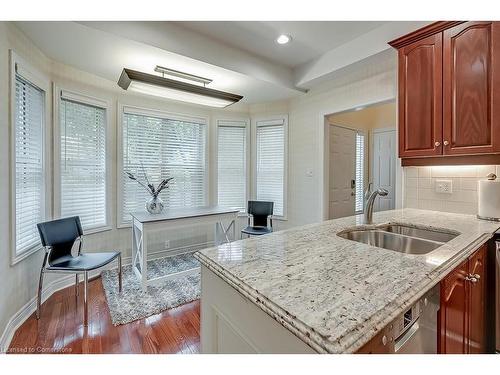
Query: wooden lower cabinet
[[462, 315]]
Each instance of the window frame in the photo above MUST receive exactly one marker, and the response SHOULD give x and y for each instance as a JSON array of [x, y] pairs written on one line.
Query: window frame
[[41, 81], [85, 99], [121, 108], [255, 125], [248, 160]]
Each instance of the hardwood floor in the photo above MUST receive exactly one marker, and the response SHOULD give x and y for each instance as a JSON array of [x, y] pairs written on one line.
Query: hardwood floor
[[60, 328]]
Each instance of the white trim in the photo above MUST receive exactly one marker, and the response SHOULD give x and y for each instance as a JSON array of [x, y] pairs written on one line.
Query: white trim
[[131, 109], [248, 165], [61, 93], [68, 280], [34, 76], [30, 307], [81, 98], [267, 121]]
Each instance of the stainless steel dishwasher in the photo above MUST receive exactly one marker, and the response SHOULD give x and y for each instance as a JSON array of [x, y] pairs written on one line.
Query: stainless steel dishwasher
[[413, 332]]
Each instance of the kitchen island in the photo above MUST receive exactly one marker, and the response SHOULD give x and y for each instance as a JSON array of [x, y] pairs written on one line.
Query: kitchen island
[[306, 289]]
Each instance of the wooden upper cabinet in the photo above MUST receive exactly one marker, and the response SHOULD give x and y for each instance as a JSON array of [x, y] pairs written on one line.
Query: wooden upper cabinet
[[471, 88], [449, 93], [420, 97]]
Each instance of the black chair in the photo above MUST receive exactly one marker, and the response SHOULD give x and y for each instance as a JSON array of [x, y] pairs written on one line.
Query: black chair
[[259, 211], [58, 237]]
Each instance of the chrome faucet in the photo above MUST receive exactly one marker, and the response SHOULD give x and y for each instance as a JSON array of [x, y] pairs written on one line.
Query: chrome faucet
[[368, 215]]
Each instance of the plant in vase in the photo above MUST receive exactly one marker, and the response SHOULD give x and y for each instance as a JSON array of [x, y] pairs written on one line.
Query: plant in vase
[[154, 205]]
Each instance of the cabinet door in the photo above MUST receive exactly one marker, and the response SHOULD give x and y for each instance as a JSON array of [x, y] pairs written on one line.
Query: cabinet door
[[453, 321], [477, 304], [471, 88], [420, 99]]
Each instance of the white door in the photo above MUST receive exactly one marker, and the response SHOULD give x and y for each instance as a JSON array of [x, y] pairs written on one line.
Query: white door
[[342, 172], [384, 167]]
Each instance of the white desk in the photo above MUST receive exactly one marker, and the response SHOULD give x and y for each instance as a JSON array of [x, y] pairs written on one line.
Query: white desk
[[144, 222]]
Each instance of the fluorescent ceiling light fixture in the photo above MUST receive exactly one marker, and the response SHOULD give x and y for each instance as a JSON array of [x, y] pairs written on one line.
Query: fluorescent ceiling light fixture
[[151, 84], [283, 39]]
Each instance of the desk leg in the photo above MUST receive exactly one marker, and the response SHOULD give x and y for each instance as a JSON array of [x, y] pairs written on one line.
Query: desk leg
[[139, 252], [144, 264], [221, 230]]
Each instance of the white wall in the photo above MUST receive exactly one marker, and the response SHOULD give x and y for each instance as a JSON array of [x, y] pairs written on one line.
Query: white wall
[[19, 282], [361, 84]]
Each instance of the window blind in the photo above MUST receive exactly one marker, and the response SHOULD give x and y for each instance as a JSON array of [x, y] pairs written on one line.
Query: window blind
[[360, 172], [231, 164], [29, 179], [83, 163], [164, 147], [270, 171]]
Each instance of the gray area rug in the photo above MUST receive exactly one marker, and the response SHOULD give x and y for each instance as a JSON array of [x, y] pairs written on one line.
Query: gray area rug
[[133, 303]]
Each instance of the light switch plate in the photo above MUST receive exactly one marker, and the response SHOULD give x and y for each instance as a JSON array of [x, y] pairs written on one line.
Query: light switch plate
[[444, 186]]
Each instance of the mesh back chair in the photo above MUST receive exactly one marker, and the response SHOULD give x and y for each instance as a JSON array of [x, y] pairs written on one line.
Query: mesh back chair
[[58, 238], [259, 211]]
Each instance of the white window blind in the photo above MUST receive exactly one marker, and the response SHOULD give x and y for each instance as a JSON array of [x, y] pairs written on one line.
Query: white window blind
[[360, 172], [271, 163], [165, 147], [29, 201], [231, 164], [83, 162]]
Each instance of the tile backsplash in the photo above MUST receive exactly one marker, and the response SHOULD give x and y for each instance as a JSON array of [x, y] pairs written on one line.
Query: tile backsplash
[[420, 187]]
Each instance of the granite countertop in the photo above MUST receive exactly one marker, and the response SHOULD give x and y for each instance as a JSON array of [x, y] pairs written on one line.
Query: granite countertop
[[335, 294]]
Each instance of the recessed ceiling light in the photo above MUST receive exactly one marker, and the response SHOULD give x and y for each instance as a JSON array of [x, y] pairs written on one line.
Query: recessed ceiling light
[[283, 39]]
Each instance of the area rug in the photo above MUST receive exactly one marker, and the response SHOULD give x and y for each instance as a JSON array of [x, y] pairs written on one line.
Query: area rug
[[133, 303]]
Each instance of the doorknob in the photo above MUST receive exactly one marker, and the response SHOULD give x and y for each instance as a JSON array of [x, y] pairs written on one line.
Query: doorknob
[[437, 144], [446, 143]]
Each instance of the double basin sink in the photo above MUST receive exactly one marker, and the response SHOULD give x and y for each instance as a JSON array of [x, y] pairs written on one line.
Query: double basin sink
[[399, 237]]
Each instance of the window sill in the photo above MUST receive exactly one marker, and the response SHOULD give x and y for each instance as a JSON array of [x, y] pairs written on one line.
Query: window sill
[[90, 231]]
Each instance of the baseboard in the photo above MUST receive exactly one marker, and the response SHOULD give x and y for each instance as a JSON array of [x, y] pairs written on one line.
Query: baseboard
[[63, 282]]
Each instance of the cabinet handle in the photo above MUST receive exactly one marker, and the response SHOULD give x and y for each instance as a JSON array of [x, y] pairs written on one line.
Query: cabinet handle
[[437, 144], [471, 278], [476, 275], [446, 143]]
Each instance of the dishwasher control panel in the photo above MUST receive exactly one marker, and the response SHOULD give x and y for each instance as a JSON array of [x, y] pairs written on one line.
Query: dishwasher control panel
[[405, 321]]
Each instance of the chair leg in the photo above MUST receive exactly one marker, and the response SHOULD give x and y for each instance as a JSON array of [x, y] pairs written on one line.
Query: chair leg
[[85, 299], [76, 285], [120, 273], [39, 295]]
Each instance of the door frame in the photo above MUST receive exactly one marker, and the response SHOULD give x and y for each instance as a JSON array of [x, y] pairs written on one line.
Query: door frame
[[324, 154]]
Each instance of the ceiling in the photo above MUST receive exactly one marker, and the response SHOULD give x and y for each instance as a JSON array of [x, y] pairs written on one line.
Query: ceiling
[[309, 39], [240, 57]]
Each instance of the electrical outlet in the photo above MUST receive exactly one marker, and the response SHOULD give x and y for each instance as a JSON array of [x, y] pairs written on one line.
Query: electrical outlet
[[167, 244], [444, 186]]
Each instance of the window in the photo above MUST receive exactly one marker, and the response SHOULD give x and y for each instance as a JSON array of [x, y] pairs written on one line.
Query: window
[[28, 114], [270, 163], [360, 172], [232, 164], [162, 146], [83, 184]]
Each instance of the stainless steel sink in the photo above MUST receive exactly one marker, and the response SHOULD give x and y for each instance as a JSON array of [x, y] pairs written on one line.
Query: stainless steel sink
[[401, 238], [427, 234]]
